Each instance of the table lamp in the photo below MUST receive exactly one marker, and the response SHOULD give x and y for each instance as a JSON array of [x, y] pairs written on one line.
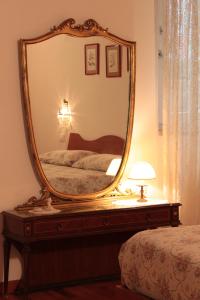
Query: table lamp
[[112, 171], [113, 167], [142, 171]]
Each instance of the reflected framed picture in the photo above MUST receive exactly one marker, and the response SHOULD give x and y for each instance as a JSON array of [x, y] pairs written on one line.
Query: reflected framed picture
[[113, 61], [91, 59], [128, 59]]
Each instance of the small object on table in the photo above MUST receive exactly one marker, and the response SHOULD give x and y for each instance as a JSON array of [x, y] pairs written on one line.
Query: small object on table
[[48, 209]]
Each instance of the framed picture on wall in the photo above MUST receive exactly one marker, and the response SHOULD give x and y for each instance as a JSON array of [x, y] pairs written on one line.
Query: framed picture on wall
[[91, 59], [113, 61]]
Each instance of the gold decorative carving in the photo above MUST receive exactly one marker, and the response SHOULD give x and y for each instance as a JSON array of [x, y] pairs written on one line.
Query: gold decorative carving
[[34, 201], [39, 202], [88, 25]]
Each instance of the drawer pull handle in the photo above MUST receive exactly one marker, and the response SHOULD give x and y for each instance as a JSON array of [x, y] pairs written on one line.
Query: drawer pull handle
[[148, 217], [106, 222], [59, 227]]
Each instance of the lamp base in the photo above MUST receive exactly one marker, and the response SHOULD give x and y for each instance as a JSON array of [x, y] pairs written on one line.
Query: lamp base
[[142, 197], [142, 200]]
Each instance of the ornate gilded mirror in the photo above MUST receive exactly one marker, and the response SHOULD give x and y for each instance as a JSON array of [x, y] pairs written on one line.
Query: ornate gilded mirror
[[78, 89]]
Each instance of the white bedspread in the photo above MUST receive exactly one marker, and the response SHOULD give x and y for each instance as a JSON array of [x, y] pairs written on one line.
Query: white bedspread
[[163, 263]]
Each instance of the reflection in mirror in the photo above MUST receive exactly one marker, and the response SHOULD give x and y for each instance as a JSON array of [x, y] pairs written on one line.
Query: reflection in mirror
[[64, 100], [78, 87]]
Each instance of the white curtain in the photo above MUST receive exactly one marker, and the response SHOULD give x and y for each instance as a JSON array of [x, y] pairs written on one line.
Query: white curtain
[[181, 106]]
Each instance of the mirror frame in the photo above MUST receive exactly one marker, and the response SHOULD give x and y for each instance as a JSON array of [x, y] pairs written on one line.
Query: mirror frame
[[89, 28]]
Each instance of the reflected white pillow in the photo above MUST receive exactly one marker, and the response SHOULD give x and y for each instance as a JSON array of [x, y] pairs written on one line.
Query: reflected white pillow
[[63, 157], [98, 162]]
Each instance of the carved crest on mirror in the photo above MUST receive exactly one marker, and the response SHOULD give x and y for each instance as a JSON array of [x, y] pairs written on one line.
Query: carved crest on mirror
[[77, 122], [88, 25]]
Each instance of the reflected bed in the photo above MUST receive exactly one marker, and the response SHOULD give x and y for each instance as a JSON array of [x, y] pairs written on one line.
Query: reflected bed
[[81, 169], [74, 181]]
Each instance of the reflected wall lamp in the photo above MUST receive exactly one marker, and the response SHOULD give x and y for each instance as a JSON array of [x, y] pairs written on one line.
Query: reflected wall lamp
[[64, 110]]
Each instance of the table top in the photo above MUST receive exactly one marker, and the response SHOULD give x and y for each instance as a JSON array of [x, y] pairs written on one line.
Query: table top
[[97, 206]]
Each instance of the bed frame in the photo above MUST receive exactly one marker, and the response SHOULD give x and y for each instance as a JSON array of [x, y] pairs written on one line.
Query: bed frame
[[111, 144]]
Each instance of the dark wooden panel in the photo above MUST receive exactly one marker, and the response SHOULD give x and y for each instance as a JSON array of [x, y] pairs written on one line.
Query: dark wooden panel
[[105, 144], [76, 259]]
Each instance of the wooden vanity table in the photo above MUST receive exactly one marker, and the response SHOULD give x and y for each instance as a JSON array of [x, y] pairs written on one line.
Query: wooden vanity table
[[80, 243]]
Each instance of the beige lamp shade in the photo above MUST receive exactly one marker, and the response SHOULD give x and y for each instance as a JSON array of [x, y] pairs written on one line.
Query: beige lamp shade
[[142, 170], [114, 167]]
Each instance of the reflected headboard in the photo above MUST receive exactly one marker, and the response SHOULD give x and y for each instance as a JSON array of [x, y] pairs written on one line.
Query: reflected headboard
[[111, 144]]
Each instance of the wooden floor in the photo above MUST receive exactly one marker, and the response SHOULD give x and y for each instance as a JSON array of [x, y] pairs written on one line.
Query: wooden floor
[[95, 291]]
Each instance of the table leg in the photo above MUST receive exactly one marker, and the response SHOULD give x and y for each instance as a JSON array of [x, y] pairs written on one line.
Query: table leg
[[25, 270], [7, 247]]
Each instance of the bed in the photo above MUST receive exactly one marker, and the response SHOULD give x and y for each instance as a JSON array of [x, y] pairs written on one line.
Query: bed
[[163, 263], [81, 168]]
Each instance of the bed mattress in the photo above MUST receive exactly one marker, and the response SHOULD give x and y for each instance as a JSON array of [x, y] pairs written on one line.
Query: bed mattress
[[163, 263]]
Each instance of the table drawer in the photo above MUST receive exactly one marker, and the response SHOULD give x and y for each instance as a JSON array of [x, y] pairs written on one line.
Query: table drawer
[[83, 224], [158, 216], [98, 222], [62, 226]]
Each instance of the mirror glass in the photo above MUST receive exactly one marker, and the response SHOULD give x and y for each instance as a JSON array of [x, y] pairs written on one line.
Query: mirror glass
[[79, 97]]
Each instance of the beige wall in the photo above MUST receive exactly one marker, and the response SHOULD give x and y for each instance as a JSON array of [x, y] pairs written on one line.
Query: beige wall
[[147, 142], [131, 19]]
